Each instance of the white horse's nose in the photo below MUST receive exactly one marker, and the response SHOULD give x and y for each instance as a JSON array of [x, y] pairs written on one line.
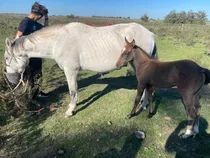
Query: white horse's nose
[[13, 78]]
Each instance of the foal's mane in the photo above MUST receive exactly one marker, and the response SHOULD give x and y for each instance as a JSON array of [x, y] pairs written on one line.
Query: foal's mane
[[135, 47]]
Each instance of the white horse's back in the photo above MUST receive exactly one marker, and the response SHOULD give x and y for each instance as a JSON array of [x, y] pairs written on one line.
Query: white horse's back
[[98, 48]]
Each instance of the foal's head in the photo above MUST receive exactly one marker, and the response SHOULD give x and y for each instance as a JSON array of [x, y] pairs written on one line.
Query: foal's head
[[127, 54]]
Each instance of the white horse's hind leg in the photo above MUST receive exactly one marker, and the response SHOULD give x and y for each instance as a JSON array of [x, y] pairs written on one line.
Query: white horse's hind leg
[[144, 98], [71, 76]]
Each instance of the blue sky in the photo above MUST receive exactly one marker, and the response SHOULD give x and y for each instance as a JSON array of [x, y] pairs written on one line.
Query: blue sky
[[156, 9]]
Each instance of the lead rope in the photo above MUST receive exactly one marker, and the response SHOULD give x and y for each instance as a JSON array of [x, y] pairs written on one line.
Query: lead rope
[[15, 98]]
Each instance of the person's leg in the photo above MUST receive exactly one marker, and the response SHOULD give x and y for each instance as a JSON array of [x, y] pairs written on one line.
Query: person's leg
[[36, 65]]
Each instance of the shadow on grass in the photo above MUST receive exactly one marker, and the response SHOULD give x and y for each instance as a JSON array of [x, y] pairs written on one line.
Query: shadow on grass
[[28, 133], [127, 82], [169, 93], [129, 149], [113, 83], [190, 147], [173, 94], [25, 134], [98, 142]]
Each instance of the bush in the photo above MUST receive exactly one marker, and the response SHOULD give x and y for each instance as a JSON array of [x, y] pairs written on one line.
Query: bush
[[145, 18], [71, 16], [186, 18]]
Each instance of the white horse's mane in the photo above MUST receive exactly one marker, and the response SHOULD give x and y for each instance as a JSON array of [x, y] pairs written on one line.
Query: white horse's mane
[[18, 43]]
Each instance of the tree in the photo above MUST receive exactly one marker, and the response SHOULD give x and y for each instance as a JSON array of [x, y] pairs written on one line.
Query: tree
[[201, 17], [171, 17], [181, 17], [191, 16], [71, 16], [145, 18]]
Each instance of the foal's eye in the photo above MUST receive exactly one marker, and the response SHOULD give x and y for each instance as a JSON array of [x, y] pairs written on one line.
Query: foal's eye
[[126, 54]]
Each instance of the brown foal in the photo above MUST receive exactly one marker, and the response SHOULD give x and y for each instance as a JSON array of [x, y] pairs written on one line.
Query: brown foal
[[188, 76]]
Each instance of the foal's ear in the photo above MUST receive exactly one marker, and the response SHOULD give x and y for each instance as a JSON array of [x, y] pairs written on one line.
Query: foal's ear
[[126, 41], [8, 42], [133, 43]]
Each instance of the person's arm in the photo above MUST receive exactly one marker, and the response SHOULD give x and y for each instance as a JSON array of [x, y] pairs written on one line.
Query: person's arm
[[21, 28], [18, 34], [46, 20]]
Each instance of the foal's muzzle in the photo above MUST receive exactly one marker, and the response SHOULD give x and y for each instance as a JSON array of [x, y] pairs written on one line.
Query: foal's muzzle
[[122, 65]]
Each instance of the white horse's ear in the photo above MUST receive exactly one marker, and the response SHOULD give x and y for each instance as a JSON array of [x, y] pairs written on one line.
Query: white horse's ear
[[8, 42]]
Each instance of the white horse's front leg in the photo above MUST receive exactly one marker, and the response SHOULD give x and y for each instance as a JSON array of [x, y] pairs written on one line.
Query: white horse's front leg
[[71, 76], [144, 98]]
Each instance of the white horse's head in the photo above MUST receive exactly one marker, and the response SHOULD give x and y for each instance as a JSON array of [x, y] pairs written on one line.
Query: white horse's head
[[15, 60]]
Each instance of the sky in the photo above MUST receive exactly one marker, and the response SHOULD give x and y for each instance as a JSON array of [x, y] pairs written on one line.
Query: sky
[[156, 9]]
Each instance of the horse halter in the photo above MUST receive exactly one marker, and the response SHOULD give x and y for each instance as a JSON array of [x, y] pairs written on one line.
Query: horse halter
[[5, 73], [14, 57]]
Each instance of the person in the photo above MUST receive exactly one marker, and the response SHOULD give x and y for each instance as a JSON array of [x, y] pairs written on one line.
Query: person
[[29, 25]]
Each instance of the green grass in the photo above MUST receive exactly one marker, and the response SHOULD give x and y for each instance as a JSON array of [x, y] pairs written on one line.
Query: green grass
[[99, 128]]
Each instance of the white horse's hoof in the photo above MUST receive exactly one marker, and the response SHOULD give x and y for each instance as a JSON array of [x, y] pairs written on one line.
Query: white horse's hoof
[[144, 106], [185, 136], [69, 113], [67, 116]]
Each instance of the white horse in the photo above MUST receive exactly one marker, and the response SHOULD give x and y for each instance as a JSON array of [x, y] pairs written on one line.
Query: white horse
[[77, 46]]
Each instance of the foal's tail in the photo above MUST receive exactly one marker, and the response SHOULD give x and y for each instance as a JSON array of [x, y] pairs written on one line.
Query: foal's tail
[[206, 72]]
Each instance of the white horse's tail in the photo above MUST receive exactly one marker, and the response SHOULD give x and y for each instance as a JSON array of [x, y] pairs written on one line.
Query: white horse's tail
[[154, 53]]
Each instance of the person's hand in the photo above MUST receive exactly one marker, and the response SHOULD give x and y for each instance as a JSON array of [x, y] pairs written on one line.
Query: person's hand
[[46, 16], [46, 12]]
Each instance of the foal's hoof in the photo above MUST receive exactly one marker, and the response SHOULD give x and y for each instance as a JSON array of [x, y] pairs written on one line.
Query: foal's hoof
[[128, 116], [150, 115]]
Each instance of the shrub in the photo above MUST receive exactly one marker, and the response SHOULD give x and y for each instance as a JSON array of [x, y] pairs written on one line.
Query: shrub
[[71, 16], [145, 18]]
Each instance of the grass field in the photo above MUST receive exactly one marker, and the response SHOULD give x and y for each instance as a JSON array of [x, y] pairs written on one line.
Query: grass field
[[99, 128]]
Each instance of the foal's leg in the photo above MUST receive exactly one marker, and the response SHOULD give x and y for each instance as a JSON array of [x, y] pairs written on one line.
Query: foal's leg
[[188, 102], [144, 99], [150, 90], [140, 90], [71, 76], [192, 109], [197, 110]]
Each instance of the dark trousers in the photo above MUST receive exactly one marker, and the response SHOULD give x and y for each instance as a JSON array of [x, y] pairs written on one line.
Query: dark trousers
[[35, 76], [36, 65]]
